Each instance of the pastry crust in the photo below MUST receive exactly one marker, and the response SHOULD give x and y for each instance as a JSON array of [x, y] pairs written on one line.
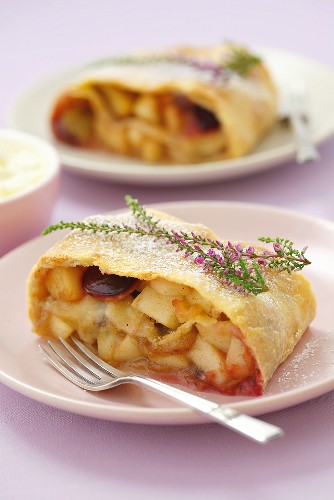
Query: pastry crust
[[174, 108], [268, 325]]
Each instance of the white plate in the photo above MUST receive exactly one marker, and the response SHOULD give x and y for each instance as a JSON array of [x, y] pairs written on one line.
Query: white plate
[[32, 110], [308, 373]]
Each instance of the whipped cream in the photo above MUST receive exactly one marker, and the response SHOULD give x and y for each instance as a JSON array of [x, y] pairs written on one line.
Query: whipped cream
[[21, 166]]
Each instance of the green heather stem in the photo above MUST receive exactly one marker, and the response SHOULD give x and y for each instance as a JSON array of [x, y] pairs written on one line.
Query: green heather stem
[[239, 61], [236, 266]]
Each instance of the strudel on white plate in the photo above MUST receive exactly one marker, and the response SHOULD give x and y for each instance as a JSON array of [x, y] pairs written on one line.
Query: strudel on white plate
[[146, 308], [184, 105]]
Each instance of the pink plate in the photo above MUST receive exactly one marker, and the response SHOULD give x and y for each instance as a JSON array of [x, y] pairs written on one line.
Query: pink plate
[[306, 374]]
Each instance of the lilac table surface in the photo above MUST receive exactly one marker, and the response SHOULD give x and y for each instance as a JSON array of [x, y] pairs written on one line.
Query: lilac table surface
[[48, 453]]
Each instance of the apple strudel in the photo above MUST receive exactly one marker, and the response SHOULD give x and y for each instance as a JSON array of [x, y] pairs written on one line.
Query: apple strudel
[[147, 308], [186, 105]]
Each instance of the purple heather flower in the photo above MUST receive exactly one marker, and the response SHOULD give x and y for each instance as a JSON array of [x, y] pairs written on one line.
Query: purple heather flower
[[199, 260], [211, 252], [221, 259], [234, 256]]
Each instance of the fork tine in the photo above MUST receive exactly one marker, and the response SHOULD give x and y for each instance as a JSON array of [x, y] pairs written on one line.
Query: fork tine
[[69, 374], [70, 363], [83, 361], [98, 361]]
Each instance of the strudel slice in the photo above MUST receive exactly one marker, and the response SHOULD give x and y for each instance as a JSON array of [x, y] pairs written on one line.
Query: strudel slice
[[145, 308], [184, 105]]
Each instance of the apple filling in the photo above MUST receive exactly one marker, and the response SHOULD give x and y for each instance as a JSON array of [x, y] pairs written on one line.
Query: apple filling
[[140, 125], [157, 327]]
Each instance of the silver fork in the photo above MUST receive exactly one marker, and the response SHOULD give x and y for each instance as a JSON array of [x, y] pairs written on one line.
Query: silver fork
[[82, 367]]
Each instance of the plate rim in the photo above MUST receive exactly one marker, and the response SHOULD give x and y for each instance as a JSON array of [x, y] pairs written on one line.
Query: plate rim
[[179, 415]]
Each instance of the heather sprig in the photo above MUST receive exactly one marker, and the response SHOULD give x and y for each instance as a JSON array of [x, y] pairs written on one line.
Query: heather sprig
[[235, 265], [217, 70], [285, 257], [239, 61]]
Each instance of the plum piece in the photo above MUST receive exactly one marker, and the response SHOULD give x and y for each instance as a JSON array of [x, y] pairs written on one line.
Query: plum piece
[[107, 286]]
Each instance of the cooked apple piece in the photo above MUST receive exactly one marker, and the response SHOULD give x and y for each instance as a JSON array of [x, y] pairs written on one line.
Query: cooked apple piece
[[131, 320], [170, 361], [165, 287], [85, 315], [147, 329], [188, 312], [208, 359], [106, 342], [75, 125], [209, 144], [146, 107], [237, 360], [59, 327], [88, 309], [64, 283], [120, 101], [41, 292], [172, 118], [184, 311], [91, 310], [92, 318], [127, 350], [218, 334], [157, 306], [118, 140], [151, 150], [179, 340], [123, 316], [195, 298], [135, 137]]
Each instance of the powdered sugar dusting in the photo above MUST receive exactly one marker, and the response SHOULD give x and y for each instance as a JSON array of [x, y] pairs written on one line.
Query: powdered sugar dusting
[[156, 71], [122, 253], [309, 363], [309, 350]]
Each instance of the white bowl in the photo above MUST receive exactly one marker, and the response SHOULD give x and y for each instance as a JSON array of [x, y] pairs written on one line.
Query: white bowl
[[26, 211]]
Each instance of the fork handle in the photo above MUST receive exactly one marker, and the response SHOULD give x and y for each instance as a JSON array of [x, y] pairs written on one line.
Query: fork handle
[[253, 428], [306, 151]]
